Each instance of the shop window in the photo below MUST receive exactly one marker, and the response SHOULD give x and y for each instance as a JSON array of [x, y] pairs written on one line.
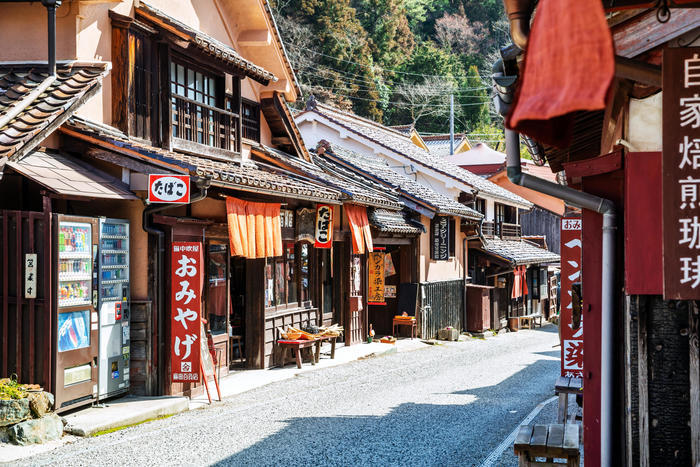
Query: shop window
[[287, 278], [216, 303], [480, 205]]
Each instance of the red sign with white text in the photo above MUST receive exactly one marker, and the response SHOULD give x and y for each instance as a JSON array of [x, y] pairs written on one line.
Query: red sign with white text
[[324, 226], [571, 331], [186, 310], [169, 189]]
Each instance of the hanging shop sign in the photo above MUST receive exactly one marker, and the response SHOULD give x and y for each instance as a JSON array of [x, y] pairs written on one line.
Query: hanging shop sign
[[324, 226], [375, 262], [186, 285], [30, 275], [681, 173], [305, 225], [389, 269], [169, 189], [440, 238], [571, 330], [389, 291]]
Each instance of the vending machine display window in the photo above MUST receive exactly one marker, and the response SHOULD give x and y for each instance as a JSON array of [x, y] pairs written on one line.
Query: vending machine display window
[[74, 264], [73, 330]]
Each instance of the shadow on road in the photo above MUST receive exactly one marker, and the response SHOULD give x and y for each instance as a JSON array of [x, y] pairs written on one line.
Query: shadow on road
[[411, 433]]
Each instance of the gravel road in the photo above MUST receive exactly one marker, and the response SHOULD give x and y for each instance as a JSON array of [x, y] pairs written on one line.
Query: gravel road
[[442, 405]]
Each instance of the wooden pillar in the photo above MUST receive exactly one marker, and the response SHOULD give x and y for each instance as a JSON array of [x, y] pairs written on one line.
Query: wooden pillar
[[255, 313], [694, 374], [643, 383]]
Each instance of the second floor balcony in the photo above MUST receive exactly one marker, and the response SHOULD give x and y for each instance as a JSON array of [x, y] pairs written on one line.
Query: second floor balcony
[[499, 229]]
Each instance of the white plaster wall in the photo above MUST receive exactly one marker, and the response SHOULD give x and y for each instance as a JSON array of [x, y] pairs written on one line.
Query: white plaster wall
[[644, 125]]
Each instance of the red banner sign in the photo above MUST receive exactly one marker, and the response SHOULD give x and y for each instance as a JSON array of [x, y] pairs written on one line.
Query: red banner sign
[[169, 189], [681, 173], [186, 304], [324, 226], [571, 330]]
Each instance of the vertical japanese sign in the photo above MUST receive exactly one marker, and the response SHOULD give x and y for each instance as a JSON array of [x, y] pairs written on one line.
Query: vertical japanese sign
[[440, 238], [571, 330], [186, 303], [324, 226], [376, 278], [681, 173], [30, 275]]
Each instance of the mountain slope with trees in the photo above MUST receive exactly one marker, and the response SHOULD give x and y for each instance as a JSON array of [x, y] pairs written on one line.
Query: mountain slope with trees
[[398, 61]]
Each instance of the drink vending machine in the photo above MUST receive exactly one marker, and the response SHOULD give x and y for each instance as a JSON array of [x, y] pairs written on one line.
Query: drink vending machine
[[76, 331], [113, 306]]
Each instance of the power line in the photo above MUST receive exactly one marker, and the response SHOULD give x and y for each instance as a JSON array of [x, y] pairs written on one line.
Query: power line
[[375, 67], [350, 90]]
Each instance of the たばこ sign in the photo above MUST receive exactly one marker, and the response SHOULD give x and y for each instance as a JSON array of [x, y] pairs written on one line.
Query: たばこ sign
[[186, 308], [324, 226], [168, 189]]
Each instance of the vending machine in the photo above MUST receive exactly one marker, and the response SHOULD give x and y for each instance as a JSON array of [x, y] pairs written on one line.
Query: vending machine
[[113, 306], [76, 331]]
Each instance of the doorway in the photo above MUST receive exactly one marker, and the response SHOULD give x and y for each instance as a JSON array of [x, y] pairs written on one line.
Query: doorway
[[237, 332]]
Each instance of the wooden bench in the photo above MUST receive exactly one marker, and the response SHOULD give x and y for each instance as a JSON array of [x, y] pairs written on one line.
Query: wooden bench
[[555, 441], [404, 322], [536, 317], [296, 346], [332, 340], [564, 386]]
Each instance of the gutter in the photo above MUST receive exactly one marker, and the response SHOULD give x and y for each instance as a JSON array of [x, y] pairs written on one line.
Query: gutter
[[585, 201], [147, 225]]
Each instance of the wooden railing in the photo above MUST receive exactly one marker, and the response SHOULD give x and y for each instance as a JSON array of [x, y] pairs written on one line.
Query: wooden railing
[[204, 124], [491, 229]]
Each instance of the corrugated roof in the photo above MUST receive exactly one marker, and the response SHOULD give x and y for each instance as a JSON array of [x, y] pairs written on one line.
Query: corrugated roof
[[34, 113], [68, 176], [401, 144], [246, 177], [379, 169], [519, 252]]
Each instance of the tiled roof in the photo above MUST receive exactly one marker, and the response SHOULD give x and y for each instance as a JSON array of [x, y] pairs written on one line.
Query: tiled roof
[[206, 43], [380, 170], [439, 145], [36, 104], [401, 144], [393, 222], [246, 177], [403, 129], [519, 252], [356, 189], [68, 176]]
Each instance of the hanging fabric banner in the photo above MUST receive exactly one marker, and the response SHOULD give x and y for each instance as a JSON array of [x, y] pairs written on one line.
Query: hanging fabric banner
[[324, 226], [359, 228], [186, 308], [375, 265], [571, 335], [254, 229]]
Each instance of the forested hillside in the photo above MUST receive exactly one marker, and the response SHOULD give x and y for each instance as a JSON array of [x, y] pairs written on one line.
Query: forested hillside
[[398, 61]]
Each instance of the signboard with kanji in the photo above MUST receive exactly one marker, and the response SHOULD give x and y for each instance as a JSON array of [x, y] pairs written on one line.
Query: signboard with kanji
[[324, 226], [681, 173], [30, 269], [375, 265], [186, 308], [571, 329], [168, 189], [440, 238]]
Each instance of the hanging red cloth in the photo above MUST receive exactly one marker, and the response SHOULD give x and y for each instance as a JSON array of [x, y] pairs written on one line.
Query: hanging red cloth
[[517, 287], [523, 272], [359, 229], [569, 66], [254, 229]]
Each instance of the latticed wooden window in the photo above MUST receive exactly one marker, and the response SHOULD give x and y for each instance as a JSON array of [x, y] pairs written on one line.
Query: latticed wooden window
[[196, 113], [251, 120]]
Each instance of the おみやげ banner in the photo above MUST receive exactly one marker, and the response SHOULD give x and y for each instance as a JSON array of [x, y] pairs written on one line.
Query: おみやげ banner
[[186, 309]]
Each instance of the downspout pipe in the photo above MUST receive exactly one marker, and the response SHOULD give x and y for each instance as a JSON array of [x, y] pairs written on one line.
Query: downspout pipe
[[147, 224], [51, 6], [607, 209]]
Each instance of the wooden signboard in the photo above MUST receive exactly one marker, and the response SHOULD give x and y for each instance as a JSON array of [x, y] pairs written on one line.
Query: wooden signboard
[[186, 303], [324, 226], [376, 278], [440, 233], [681, 173], [571, 333]]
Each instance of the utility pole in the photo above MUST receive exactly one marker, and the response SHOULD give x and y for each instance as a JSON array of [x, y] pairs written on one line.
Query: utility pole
[[452, 124]]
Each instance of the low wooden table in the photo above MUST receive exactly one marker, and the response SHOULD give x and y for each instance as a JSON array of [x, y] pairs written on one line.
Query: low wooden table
[[535, 318], [560, 441], [320, 340], [564, 386], [404, 322], [296, 346]]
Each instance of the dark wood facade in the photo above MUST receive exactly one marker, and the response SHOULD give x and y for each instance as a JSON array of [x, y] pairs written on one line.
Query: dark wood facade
[[538, 221]]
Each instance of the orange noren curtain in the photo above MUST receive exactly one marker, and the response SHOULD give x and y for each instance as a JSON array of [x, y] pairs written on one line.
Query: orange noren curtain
[[569, 66], [524, 280], [516, 284], [359, 228], [254, 228]]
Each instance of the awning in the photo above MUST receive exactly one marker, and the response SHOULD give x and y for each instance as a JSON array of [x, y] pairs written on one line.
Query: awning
[[569, 66], [68, 176], [254, 229], [518, 252], [359, 228], [394, 222]]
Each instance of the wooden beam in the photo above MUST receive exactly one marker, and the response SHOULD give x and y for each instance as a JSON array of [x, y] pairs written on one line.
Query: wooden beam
[[614, 113], [281, 140], [254, 38], [643, 380], [125, 161], [694, 375], [638, 71]]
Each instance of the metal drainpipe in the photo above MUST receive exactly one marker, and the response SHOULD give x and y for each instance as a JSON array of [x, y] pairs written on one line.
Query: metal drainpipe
[[51, 6], [464, 283], [607, 209], [147, 226]]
